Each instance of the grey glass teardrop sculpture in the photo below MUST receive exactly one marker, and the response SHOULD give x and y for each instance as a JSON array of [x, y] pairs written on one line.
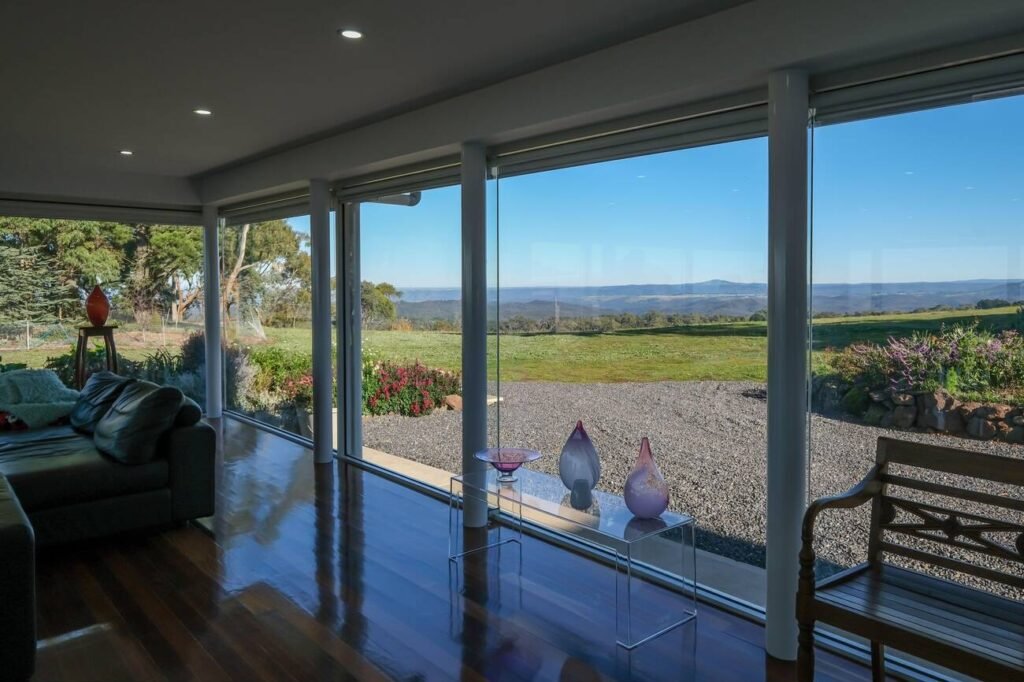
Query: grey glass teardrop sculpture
[[578, 461]]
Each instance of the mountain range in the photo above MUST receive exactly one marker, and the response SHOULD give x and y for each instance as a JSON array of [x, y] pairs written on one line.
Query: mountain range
[[713, 297]]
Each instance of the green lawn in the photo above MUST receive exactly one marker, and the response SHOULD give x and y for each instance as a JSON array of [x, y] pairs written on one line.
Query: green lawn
[[726, 351], [37, 356], [842, 331]]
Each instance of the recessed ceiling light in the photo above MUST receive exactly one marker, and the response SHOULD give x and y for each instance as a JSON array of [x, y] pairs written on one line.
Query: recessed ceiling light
[[350, 33], [202, 112], [126, 152]]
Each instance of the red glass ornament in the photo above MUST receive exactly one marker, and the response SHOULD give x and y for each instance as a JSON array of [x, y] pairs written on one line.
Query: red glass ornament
[[97, 307]]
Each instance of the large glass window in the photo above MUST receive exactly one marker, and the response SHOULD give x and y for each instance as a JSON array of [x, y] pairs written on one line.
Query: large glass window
[[631, 298], [918, 302], [411, 310], [266, 299], [150, 274]]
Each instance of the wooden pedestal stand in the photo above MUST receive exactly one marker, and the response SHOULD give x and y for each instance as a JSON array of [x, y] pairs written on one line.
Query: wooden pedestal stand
[[82, 350]]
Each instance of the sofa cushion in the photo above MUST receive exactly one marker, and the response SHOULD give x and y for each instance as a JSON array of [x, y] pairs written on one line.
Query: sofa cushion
[[95, 400], [55, 466], [189, 414], [131, 428]]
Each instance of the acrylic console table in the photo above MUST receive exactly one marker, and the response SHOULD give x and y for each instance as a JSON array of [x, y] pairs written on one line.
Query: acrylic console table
[[640, 548]]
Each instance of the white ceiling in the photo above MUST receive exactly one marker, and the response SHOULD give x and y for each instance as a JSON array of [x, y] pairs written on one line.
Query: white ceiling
[[83, 79]]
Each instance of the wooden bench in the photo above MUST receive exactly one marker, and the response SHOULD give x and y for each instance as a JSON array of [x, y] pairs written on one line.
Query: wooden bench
[[966, 629]]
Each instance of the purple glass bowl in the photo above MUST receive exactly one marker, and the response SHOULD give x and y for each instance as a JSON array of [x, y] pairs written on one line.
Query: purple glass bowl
[[507, 460]]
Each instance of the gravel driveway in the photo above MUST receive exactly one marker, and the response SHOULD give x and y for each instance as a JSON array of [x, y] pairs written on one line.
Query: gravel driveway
[[708, 438]]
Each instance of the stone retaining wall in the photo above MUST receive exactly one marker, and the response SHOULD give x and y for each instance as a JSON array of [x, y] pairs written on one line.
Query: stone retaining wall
[[932, 411]]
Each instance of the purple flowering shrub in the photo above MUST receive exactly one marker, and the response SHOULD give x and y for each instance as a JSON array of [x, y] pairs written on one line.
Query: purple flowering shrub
[[969, 362]]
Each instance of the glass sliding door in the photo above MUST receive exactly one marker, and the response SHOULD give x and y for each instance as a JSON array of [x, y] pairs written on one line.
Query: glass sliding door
[[918, 300], [630, 299], [266, 279]]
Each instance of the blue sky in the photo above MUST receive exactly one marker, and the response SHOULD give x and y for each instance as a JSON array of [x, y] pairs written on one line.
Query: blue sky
[[927, 196]]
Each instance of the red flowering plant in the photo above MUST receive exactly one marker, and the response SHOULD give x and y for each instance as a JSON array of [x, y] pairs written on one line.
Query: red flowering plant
[[409, 390], [298, 390]]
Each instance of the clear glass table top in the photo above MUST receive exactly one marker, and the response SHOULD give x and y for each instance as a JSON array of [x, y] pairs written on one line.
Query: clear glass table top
[[607, 514]]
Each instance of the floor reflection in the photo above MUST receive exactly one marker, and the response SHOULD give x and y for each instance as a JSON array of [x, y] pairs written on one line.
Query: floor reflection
[[352, 552], [551, 626], [325, 491]]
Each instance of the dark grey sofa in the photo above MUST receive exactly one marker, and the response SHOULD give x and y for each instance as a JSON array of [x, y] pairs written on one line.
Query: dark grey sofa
[[17, 589], [72, 491], [57, 485]]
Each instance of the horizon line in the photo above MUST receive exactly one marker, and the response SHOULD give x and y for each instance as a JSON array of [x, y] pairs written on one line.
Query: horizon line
[[706, 281]]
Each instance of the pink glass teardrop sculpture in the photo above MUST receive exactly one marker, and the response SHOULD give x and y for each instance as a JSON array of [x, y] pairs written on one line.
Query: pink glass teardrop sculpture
[[578, 464], [646, 490]]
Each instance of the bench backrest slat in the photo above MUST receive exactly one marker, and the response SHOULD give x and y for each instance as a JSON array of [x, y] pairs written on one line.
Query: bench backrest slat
[[978, 541], [962, 493], [953, 564], [952, 461]]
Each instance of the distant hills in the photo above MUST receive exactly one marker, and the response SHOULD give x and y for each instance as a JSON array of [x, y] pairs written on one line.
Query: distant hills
[[713, 297]]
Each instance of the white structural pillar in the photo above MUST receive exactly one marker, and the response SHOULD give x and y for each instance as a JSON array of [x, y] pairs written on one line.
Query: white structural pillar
[[787, 352], [474, 329], [347, 301], [211, 313], [323, 366]]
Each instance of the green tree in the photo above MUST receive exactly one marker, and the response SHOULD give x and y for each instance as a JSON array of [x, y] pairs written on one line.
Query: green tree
[[989, 303], [177, 258], [81, 252], [30, 288], [251, 255], [287, 291], [377, 302]]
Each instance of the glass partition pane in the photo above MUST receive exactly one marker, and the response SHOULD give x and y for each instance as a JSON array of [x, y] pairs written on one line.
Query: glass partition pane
[[630, 301], [411, 309], [918, 306], [150, 275], [266, 279]]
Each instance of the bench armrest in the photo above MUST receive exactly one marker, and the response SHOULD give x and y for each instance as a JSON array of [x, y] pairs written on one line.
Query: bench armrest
[[866, 490]]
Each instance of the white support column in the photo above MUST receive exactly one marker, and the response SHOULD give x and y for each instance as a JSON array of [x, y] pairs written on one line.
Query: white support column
[[211, 313], [787, 352], [474, 326], [323, 367], [350, 364]]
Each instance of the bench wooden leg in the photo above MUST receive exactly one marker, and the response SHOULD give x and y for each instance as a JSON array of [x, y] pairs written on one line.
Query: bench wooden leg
[[805, 653], [877, 662]]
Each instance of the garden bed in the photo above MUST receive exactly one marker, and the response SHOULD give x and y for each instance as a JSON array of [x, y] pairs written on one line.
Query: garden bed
[[961, 381]]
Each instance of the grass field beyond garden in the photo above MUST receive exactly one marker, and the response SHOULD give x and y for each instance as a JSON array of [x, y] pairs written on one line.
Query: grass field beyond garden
[[735, 351]]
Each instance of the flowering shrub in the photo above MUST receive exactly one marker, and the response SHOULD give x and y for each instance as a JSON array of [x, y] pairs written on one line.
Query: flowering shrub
[[410, 390], [968, 362], [275, 366], [299, 390]]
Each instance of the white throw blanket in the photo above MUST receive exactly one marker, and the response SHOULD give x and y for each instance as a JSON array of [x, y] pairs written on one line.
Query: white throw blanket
[[35, 396]]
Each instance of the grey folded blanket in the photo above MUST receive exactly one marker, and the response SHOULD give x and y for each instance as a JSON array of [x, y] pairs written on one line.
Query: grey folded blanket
[[35, 396]]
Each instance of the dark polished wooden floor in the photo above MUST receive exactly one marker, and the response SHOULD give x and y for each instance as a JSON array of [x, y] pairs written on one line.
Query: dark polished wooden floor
[[301, 582]]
